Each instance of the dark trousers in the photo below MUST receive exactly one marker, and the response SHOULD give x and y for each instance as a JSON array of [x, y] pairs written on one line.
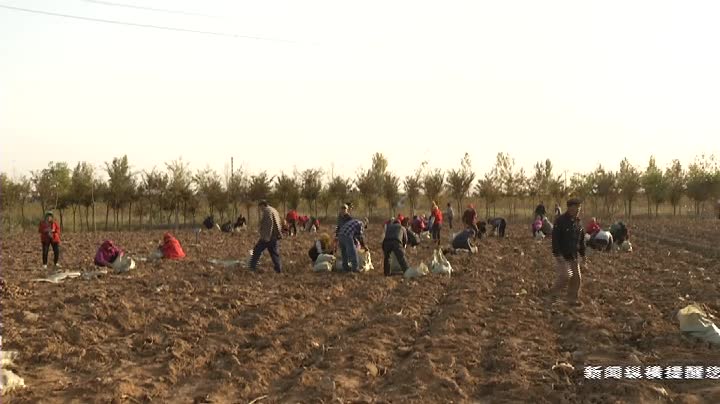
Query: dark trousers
[[393, 247], [273, 247], [450, 220], [501, 229], [435, 231], [46, 250], [292, 228]]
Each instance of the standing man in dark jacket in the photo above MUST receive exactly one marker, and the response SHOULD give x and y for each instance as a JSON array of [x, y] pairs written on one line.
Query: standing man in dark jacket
[[568, 241], [269, 237], [396, 239]]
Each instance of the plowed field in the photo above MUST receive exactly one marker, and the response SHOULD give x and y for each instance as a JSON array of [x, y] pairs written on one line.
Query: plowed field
[[190, 331]]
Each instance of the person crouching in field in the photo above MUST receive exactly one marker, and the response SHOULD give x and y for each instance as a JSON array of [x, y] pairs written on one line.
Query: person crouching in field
[[169, 249], [413, 238], [498, 225], [49, 237], [568, 242], [464, 240], [107, 254], [270, 236], [240, 223], [394, 242], [320, 246]]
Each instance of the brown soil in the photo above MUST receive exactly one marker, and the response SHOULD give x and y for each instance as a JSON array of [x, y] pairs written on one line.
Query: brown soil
[[192, 332]]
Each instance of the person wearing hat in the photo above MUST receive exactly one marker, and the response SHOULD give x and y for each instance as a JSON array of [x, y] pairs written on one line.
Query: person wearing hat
[[568, 245], [270, 235], [50, 236]]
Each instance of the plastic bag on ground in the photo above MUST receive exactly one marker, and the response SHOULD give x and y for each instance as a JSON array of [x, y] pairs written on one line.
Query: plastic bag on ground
[[364, 262], [9, 381], [225, 263], [123, 263], [626, 246], [324, 263], [539, 236], [416, 272], [695, 322], [440, 264]]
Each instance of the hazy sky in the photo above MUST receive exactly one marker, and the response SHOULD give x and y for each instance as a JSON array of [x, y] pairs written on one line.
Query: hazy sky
[[578, 82]]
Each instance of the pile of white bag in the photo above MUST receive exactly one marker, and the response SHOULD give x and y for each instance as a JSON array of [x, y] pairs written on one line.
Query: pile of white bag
[[440, 264], [324, 263], [123, 264], [9, 381]]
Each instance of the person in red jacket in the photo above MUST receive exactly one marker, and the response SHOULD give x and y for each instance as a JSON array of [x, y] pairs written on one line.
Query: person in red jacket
[[171, 248], [437, 221], [49, 236], [593, 227], [292, 219]]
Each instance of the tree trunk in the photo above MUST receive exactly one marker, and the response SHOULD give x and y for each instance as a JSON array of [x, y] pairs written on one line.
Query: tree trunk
[[87, 218], [656, 209], [61, 219], [73, 209], [107, 215], [130, 216], [674, 209], [22, 213]]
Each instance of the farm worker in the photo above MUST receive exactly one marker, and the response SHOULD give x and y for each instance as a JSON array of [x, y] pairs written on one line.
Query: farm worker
[[107, 254], [227, 227], [470, 217], [270, 237], [537, 225], [463, 240], [395, 241], [601, 240], [170, 248], [240, 222], [568, 242], [593, 227], [292, 218], [413, 238], [449, 214], [619, 232], [49, 236], [437, 221], [350, 233], [314, 224], [418, 226], [558, 211], [540, 210], [320, 246], [344, 216], [482, 229], [209, 222], [499, 224]]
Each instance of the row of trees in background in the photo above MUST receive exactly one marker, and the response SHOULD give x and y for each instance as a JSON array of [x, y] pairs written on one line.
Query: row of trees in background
[[163, 197]]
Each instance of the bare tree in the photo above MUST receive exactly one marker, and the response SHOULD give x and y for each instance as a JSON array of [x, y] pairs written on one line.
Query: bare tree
[[460, 181]]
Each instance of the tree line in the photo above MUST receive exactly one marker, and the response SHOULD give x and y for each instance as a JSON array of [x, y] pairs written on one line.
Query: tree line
[[163, 197]]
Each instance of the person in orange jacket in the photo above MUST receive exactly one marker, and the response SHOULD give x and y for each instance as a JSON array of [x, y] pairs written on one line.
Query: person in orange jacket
[[170, 248], [49, 236]]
